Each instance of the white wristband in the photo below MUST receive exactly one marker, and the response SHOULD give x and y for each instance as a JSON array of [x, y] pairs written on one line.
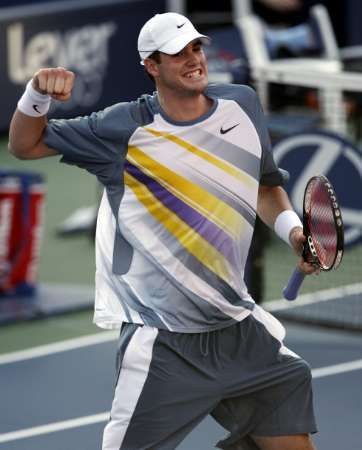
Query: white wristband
[[285, 222], [33, 103]]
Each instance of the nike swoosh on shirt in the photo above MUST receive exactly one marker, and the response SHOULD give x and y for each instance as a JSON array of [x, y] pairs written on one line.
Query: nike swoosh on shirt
[[222, 131], [180, 26]]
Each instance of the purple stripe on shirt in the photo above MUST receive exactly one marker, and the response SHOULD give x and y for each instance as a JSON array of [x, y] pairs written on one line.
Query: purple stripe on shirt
[[204, 227]]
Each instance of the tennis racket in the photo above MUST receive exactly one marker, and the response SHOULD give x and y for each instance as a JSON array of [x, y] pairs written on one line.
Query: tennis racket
[[323, 228]]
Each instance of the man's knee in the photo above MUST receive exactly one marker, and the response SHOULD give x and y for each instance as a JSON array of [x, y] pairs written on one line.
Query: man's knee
[[293, 442], [246, 443]]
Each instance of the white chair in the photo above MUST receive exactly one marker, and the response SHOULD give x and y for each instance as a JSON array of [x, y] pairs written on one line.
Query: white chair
[[323, 72]]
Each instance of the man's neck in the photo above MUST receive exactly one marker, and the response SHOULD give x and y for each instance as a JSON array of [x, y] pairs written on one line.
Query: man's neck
[[184, 109]]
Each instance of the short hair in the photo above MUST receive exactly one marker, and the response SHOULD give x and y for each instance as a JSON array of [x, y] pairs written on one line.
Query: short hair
[[155, 56]]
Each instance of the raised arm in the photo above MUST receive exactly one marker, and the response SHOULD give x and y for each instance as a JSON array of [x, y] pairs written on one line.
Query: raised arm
[[29, 120]]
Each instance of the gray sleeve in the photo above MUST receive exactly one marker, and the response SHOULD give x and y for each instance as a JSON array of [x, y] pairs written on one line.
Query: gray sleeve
[[97, 143], [270, 175], [248, 100]]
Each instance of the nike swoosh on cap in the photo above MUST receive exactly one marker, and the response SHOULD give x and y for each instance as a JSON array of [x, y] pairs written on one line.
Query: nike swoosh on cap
[[180, 26], [222, 131]]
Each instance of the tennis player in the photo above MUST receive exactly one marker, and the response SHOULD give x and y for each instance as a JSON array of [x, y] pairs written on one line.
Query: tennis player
[[185, 171]]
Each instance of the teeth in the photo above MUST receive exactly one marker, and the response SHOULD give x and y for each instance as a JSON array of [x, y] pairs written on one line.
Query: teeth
[[195, 73]]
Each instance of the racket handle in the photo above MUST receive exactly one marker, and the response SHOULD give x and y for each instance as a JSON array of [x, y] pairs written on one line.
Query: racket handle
[[290, 291]]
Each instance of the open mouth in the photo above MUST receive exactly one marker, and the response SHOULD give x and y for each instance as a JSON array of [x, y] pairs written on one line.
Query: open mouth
[[195, 74]]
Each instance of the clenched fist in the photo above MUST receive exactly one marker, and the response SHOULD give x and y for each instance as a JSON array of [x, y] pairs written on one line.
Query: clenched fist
[[56, 82]]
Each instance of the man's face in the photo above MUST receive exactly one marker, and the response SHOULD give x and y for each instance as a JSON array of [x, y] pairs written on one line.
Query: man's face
[[184, 73]]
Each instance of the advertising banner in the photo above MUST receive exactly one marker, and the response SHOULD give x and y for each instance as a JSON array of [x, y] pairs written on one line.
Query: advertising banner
[[96, 40]]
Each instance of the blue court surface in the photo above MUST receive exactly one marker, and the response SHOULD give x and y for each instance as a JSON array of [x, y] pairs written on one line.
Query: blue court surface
[[57, 397]]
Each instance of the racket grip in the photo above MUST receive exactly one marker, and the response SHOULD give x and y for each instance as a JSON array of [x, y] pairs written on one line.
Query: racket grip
[[290, 291]]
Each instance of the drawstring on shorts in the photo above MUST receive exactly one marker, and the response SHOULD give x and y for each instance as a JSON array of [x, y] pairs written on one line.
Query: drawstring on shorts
[[204, 349]]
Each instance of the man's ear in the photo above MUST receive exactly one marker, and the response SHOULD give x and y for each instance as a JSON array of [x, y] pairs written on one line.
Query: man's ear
[[151, 67]]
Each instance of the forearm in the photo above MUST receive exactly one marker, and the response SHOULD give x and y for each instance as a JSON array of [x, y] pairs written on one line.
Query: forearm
[[271, 202], [25, 134], [276, 211]]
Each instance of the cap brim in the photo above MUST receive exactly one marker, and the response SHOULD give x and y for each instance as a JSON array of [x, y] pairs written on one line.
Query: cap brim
[[177, 44]]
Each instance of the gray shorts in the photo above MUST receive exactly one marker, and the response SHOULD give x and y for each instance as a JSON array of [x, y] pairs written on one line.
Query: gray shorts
[[242, 375]]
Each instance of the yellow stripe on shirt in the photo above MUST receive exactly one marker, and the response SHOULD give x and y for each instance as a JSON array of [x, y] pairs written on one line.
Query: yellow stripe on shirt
[[188, 238], [198, 198], [221, 164]]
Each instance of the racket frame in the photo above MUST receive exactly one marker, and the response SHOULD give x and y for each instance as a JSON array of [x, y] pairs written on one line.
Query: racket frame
[[310, 253]]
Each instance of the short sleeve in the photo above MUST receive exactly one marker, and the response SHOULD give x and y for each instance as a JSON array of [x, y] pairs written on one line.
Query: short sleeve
[[270, 174], [97, 143], [248, 100]]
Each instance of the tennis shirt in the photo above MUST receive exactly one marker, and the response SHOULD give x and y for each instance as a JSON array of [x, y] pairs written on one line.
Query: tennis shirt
[[177, 214]]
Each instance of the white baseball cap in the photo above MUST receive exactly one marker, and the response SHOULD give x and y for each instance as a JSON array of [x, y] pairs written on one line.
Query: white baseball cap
[[169, 33]]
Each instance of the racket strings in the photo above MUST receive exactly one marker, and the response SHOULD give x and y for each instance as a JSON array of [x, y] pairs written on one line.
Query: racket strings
[[322, 227]]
